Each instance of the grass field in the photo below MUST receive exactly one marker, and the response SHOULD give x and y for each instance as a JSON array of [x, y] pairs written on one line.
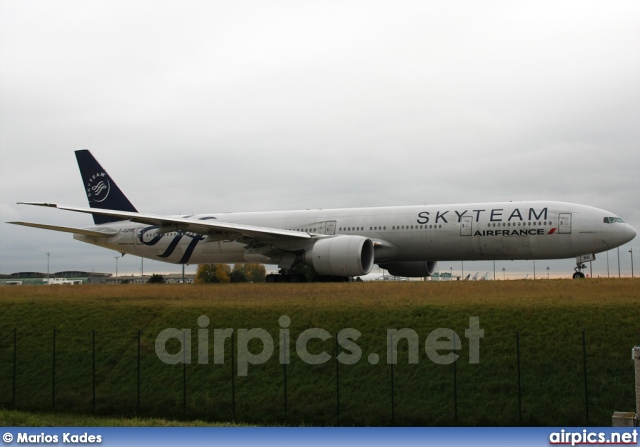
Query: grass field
[[550, 317], [12, 418]]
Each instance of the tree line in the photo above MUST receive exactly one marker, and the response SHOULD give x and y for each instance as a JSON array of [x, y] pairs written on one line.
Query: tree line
[[223, 273]]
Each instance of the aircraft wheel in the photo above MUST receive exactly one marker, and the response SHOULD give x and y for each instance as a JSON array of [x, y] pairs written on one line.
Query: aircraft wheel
[[578, 275], [272, 278]]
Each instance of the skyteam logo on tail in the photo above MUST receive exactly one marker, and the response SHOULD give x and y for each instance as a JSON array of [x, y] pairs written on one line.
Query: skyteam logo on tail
[[98, 187]]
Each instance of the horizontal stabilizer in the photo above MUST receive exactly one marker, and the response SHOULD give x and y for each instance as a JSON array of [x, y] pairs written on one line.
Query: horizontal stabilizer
[[104, 233]]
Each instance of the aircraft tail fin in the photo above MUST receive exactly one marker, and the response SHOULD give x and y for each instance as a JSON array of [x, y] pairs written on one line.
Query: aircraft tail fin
[[102, 192]]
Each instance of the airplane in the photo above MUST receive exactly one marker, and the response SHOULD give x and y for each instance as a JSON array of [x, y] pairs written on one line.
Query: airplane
[[342, 243]]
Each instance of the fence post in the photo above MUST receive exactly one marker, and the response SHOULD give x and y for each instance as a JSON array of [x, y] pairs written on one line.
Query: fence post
[[139, 374], [93, 368], [519, 382], [284, 364], [337, 381], [636, 357], [184, 371], [586, 387], [455, 381], [15, 366], [393, 390], [625, 418], [233, 378], [53, 373]]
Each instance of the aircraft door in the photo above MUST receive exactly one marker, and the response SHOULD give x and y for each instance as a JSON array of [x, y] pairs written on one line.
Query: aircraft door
[[564, 223], [465, 225], [137, 239], [331, 227]]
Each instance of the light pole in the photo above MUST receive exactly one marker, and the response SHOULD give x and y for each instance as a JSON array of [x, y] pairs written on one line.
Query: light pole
[[462, 274], [504, 274], [534, 269], [451, 273], [607, 263], [548, 272], [48, 279], [117, 267], [631, 251]]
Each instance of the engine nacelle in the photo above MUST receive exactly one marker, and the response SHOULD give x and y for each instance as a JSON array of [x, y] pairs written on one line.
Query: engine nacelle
[[341, 256], [411, 269]]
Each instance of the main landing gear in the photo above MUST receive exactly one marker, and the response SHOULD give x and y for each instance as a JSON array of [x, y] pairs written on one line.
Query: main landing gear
[[280, 277], [297, 277]]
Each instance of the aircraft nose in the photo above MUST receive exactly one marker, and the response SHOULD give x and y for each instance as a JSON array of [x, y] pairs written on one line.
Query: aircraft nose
[[630, 233]]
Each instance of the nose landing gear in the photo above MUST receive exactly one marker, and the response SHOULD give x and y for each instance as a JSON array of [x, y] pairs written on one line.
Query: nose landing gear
[[580, 261], [578, 274]]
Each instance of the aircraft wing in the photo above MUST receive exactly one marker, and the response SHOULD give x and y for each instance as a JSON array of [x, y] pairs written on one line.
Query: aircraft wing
[[104, 233], [167, 223]]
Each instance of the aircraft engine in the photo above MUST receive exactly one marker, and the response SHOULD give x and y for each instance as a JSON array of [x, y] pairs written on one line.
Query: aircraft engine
[[341, 256], [415, 269]]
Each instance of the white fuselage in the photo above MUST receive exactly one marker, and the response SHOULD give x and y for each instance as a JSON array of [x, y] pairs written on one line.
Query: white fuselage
[[480, 231]]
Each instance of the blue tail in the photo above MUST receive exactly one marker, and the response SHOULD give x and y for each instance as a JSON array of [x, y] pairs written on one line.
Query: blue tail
[[101, 190]]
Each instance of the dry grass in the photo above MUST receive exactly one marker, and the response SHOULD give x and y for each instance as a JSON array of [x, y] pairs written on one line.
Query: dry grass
[[527, 294]]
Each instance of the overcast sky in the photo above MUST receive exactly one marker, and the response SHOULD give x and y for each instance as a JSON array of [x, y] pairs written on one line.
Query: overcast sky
[[208, 106]]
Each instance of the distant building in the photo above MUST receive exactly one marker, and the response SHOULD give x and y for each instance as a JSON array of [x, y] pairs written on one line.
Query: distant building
[[169, 278], [68, 277], [78, 277]]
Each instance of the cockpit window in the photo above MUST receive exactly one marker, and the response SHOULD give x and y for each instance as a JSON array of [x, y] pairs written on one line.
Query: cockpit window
[[613, 220]]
